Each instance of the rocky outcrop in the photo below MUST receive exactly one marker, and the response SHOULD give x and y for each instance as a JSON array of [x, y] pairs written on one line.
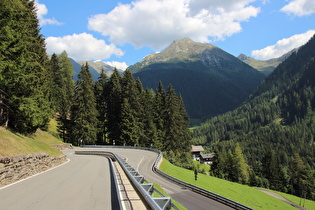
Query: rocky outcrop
[[15, 168]]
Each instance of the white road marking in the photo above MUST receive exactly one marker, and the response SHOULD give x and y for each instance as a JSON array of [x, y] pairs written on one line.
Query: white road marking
[[139, 163]]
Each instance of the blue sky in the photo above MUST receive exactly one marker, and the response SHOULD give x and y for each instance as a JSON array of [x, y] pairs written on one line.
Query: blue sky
[[123, 32]]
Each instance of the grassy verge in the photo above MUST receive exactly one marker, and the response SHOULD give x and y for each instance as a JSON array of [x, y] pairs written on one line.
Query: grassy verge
[[244, 194], [12, 144], [156, 195], [307, 204]]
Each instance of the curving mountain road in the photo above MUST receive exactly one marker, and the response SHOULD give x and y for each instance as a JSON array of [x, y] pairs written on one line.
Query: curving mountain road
[[142, 161], [82, 183]]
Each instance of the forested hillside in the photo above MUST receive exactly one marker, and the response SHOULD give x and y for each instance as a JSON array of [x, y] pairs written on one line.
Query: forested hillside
[[274, 129]]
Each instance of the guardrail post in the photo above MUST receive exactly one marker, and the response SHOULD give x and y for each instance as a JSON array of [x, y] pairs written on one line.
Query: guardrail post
[[148, 187], [164, 203]]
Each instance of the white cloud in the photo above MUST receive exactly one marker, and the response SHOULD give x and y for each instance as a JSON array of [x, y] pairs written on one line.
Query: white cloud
[[82, 47], [283, 46], [155, 23], [299, 7], [118, 65], [41, 12]]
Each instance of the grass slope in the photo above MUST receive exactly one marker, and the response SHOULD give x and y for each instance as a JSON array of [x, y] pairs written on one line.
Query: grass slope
[[244, 194], [12, 144]]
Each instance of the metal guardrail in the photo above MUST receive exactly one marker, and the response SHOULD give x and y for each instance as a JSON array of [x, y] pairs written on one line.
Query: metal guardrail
[[199, 190], [142, 186]]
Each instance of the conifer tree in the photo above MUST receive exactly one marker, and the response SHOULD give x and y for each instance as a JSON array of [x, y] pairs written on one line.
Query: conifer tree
[[301, 179], [24, 66], [240, 167], [114, 102], [158, 115], [149, 134], [67, 84], [273, 171], [101, 105], [129, 125], [66, 95], [83, 112], [56, 83], [131, 110], [177, 137]]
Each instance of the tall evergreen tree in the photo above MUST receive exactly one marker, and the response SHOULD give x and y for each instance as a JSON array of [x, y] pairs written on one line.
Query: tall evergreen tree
[[273, 172], [24, 72], [101, 106], [301, 179], [159, 113], [240, 167], [128, 125], [131, 110], [84, 113], [177, 137], [56, 83], [66, 95], [114, 101], [149, 134]]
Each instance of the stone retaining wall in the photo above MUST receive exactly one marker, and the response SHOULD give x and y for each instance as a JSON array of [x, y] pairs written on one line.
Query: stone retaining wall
[[16, 168], [62, 146]]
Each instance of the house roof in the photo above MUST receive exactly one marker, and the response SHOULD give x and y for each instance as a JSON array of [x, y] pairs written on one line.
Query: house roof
[[197, 148], [205, 156]]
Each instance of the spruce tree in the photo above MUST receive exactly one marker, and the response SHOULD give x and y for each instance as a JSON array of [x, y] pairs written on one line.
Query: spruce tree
[[114, 102], [131, 110], [101, 105], [24, 66], [302, 181], [56, 83], [83, 112], [66, 95], [159, 115], [149, 133], [128, 125], [177, 136]]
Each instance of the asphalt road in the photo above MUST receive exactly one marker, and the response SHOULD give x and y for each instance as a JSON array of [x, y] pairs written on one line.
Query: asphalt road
[[82, 183], [142, 161]]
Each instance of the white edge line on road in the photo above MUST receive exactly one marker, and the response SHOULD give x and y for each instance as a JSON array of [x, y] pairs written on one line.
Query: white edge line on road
[[1, 188], [139, 163]]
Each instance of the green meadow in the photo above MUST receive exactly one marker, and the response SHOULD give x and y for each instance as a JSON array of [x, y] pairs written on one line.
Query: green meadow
[[249, 196]]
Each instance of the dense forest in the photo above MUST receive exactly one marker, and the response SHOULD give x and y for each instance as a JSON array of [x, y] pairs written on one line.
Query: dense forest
[[35, 87], [274, 129]]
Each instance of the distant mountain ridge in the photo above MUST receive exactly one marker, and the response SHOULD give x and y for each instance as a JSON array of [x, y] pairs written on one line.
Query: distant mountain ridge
[[265, 66], [210, 80], [95, 68]]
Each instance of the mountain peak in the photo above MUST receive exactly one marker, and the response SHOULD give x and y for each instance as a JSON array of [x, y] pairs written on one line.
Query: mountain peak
[[242, 57], [187, 46], [179, 50]]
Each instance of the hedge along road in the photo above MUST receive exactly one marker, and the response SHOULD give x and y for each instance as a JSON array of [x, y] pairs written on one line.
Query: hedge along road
[[143, 160], [82, 183]]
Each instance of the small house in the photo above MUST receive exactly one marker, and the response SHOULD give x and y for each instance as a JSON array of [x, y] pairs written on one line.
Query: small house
[[206, 158], [196, 151]]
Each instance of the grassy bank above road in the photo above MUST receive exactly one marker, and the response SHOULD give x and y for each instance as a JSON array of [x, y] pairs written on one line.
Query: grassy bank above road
[[12, 144], [244, 194]]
